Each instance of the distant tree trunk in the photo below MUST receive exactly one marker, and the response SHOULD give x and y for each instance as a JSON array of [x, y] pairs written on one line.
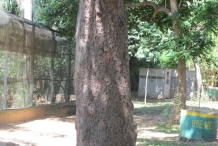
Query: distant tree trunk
[[3, 100], [199, 88], [180, 95], [26, 10], [28, 80], [51, 97], [102, 83]]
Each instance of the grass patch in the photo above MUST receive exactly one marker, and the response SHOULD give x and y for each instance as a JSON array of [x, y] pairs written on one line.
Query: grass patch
[[148, 110], [153, 106], [161, 110], [71, 111], [167, 128], [154, 142]]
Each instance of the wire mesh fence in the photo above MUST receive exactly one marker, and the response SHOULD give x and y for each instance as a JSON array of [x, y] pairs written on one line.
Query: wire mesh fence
[[36, 66]]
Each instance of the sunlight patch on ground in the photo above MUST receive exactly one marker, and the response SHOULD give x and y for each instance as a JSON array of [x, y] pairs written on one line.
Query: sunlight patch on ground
[[150, 133], [157, 135], [46, 132], [146, 128], [139, 105], [209, 104]]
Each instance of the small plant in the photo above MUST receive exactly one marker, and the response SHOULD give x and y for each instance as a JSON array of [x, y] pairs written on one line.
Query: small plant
[[71, 112], [167, 127], [167, 111], [154, 142], [177, 107]]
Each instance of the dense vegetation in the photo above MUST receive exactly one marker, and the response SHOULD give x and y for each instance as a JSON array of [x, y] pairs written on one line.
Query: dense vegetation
[[155, 40], [149, 38], [160, 34]]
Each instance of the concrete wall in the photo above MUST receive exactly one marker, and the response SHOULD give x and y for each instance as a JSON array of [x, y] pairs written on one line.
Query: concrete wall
[[162, 83], [19, 115], [212, 93]]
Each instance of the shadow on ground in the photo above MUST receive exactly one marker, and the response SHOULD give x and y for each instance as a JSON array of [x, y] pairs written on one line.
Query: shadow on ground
[[8, 144], [176, 142]]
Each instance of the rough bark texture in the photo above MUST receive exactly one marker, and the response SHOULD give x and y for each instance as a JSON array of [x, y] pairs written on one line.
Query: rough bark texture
[[181, 87], [179, 101], [102, 84], [180, 94]]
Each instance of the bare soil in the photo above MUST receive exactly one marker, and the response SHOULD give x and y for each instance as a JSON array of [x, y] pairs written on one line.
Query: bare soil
[[49, 131], [56, 131]]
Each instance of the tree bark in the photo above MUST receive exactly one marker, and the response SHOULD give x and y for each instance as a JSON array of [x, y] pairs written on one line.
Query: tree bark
[[102, 83], [181, 87], [180, 94]]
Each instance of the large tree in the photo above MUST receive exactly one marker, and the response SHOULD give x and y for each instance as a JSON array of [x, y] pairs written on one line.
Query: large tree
[[160, 10], [192, 23], [102, 84]]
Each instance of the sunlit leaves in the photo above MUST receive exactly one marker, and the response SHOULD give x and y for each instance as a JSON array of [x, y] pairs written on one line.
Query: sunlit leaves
[[147, 41], [10, 6], [207, 15], [60, 15]]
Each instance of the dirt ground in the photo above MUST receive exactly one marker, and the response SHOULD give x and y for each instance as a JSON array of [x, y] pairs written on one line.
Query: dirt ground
[[50, 131], [55, 131]]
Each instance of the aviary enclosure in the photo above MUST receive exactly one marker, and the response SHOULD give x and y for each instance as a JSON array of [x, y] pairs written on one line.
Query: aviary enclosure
[[35, 64]]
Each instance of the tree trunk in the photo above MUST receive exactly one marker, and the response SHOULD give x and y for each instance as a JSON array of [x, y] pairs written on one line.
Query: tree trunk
[[26, 10], [180, 94], [199, 88], [51, 97], [28, 80], [3, 102], [181, 86], [102, 84]]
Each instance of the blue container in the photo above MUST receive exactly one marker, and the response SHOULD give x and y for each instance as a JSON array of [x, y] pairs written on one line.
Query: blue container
[[198, 125]]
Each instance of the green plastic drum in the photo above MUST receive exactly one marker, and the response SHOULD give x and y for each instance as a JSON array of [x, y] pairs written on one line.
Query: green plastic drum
[[198, 126]]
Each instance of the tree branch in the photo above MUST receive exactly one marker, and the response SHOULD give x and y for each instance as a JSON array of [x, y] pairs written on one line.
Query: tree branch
[[165, 4], [160, 9], [156, 7], [180, 3]]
